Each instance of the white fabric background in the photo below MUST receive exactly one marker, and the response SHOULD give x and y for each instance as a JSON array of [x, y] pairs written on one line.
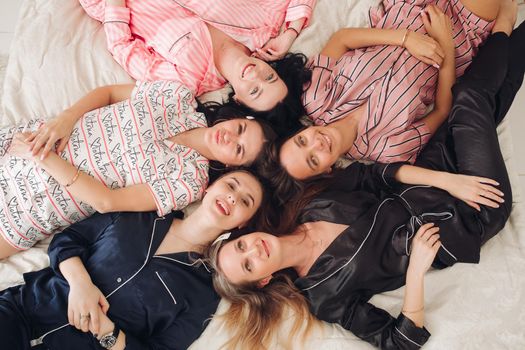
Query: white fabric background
[[59, 54]]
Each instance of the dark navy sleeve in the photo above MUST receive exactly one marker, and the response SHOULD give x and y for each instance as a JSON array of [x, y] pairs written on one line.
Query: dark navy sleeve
[[77, 238], [372, 178], [179, 335], [380, 329]]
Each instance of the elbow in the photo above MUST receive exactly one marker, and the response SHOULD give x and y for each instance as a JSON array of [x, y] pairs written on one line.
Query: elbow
[[104, 205]]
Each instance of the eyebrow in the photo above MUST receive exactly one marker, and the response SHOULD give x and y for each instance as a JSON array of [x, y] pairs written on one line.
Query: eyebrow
[[261, 90], [249, 195]]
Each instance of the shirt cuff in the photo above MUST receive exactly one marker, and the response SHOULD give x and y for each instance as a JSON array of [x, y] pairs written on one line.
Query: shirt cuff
[[389, 171], [407, 330], [117, 14], [298, 12]]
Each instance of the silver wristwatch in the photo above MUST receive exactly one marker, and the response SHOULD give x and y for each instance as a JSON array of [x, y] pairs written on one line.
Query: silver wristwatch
[[109, 340]]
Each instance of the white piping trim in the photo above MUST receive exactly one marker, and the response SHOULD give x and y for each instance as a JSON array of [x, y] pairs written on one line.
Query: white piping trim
[[165, 286], [445, 249], [411, 188], [353, 256], [407, 338], [40, 339], [184, 263], [383, 174]]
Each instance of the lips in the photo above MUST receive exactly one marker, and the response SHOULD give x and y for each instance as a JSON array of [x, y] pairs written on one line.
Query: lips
[[265, 246], [328, 141], [246, 69], [222, 207]]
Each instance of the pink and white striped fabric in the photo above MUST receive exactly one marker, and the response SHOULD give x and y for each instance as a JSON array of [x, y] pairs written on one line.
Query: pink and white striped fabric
[[120, 145], [169, 39], [396, 87]]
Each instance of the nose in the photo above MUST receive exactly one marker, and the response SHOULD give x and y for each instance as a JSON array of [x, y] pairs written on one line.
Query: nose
[[253, 74], [232, 199], [255, 249], [319, 142], [230, 137]]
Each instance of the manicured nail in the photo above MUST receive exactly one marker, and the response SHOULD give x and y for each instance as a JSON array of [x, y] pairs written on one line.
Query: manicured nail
[[436, 65], [42, 157]]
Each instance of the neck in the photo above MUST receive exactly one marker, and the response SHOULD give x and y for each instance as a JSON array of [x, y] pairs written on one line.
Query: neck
[[225, 51], [297, 250], [348, 126], [194, 138], [188, 235]]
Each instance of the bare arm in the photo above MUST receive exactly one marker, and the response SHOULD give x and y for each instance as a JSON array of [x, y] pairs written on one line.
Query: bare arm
[[59, 128]]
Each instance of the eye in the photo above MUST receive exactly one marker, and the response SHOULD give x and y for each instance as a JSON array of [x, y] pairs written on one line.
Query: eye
[[240, 246], [248, 267], [238, 149], [254, 90], [314, 161], [239, 129], [230, 186], [245, 202], [301, 140], [270, 77]]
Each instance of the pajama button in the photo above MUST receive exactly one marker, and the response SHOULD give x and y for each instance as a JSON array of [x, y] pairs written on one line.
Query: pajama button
[[119, 280]]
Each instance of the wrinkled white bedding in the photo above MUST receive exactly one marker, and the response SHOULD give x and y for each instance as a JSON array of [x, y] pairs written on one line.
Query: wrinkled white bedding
[[59, 54]]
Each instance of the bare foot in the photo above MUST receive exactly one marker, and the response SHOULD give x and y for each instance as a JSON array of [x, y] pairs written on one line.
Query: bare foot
[[506, 18]]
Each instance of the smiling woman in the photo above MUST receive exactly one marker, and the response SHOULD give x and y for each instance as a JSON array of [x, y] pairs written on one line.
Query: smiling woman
[[120, 148]]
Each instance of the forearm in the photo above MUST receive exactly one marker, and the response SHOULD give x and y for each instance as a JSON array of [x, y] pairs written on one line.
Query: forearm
[[74, 271], [82, 186], [297, 25], [413, 304], [99, 97], [414, 175], [355, 38]]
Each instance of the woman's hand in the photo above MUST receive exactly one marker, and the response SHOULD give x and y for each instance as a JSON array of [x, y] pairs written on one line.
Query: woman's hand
[[425, 246], [474, 190], [277, 47], [55, 130], [438, 26], [86, 305], [424, 48], [20, 147]]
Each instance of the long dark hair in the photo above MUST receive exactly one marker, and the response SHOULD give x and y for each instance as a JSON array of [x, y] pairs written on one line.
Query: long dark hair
[[285, 116], [216, 113]]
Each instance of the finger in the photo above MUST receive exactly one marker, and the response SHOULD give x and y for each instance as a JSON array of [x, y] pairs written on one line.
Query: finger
[[264, 55], [436, 247], [31, 136], [103, 302], [436, 58], [486, 180], [70, 316], [77, 320], [433, 239], [473, 205], [487, 202], [62, 145], [84, 322], [46, 150], [428, 233], [38, 143], [439, 50], [492, 196], [426, 20], [94, 322], [494, 190], [428, 61], [423, 228]]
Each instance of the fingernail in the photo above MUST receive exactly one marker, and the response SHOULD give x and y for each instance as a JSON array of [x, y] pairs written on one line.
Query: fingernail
[[436, 65], [42, 157]]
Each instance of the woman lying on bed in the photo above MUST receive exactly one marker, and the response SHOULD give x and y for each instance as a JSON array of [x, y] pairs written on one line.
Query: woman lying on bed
[[131, 280], [205, 44], [374, 97], [143, 148], [357, 236]]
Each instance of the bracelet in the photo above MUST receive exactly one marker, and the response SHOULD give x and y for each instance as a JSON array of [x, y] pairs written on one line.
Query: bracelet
[[77, 174], [413, 311], [404, 38], [295, 30]]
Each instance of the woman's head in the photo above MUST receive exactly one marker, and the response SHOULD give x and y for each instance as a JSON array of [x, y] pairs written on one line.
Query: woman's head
[[273, 91], [311, 152], [233, 199], [257, 309], [233, 138]]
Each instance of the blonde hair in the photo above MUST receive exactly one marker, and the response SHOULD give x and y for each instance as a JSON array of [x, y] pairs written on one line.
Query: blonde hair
[[255, 313]]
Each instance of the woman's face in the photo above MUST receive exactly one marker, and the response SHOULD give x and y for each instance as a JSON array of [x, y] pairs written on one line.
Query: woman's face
[[235, 141], [250, 258], [233, 199], [311, 152], [256, 84]]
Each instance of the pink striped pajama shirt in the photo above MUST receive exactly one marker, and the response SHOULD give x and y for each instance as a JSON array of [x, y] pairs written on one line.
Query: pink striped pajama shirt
[[120, 145], [396, 87], [169, 39]]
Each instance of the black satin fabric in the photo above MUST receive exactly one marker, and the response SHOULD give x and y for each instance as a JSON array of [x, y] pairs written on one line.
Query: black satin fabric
[[372, 254], [159, 301]]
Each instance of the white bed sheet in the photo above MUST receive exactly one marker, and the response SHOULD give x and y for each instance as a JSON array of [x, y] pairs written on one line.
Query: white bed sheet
[[58, 54]]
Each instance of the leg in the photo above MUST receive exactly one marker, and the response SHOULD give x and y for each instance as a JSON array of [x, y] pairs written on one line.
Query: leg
[[486, 9], [14, 327], [515, 72]]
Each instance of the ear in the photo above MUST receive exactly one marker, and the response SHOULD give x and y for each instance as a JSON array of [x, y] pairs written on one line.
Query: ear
[[235, 98], [264, 281], [329, 170]]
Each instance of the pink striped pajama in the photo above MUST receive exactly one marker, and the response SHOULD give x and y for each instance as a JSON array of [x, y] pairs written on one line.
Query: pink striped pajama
[[120, 145], [396, 87], [169, 39]]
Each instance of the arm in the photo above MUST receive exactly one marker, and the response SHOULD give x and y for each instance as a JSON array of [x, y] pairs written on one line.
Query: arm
[[420, 46], [85, 187], [59, 128]]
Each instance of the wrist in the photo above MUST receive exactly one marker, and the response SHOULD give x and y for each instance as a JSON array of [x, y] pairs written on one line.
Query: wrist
[[404, 38], [291, 31]]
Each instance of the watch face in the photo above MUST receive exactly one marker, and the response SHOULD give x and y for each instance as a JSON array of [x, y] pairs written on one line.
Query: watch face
[[108, 341]]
